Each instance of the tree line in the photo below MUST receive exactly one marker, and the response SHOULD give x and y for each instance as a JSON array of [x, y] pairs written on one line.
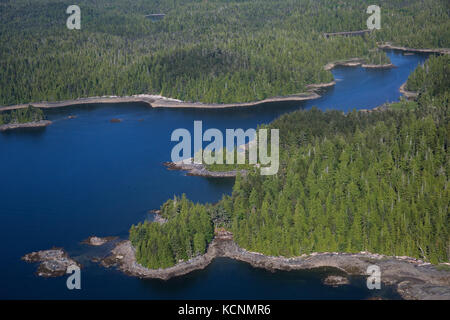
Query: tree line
[[29, 114]]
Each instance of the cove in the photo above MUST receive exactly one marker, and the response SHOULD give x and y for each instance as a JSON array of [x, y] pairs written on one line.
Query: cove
[[86, 175]]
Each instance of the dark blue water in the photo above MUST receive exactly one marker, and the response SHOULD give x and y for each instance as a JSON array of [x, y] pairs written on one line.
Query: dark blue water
[[87, 176]]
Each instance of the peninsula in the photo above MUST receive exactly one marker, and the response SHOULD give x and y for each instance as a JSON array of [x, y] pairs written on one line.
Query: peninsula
[[26, 117], [413, 278]]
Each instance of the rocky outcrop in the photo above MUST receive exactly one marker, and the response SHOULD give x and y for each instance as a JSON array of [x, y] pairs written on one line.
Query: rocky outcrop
[[97, 241], [157, 101], [354, 62], [123, 256], [157, 217], [195, 169], [53, 262], [335, 281], [319, 86], [294, 97], [410, 95], [378, 66], [413, 278], [35, 124], [389, 45], [383, 107], [347, 33]]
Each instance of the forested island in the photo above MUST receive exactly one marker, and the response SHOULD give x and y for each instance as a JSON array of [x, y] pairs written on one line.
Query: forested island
[[362, 181], [202, 51]]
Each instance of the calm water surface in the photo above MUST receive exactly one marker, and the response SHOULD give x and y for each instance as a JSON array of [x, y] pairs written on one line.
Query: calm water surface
[[86, 176]]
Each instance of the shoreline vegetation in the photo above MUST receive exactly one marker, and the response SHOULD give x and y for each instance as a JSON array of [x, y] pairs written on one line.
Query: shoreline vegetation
[[33, 124], [413, 278], [158, 101], [28, 117], [420, 81]]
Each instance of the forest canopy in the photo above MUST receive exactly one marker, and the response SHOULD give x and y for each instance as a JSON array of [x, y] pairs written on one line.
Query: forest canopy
[[210, 51], [23, 115], [433, 77]]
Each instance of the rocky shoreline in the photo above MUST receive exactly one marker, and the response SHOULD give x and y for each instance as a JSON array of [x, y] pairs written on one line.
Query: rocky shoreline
[[410, 95], [356, 62], [162, 102], [335, 281], [318, 86], [390, 46], [199, 170], [157, 217], [413, 278], [35, 124], [379, 66]]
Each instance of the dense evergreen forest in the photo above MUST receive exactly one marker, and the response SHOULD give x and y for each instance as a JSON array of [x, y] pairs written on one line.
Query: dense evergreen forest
[[210, 51], [23, 115], [188, 231], [362, 181], [421, 81]]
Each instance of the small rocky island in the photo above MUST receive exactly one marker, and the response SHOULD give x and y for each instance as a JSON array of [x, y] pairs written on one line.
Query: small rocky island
[[335, 281], [97, 241], [53, 262]]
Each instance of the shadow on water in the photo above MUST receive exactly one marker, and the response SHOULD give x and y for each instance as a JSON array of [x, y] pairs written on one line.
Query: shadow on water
[[238, 280], [35, 132]]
